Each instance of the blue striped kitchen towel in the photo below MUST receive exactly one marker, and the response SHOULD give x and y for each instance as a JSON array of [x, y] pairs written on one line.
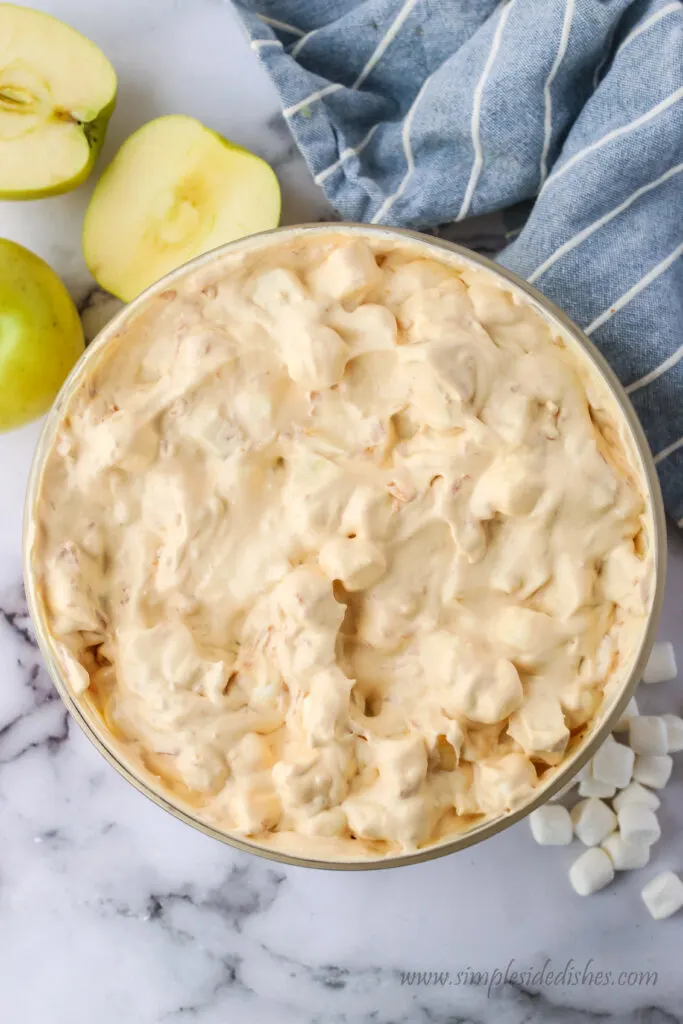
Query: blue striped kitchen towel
[[421, 112]]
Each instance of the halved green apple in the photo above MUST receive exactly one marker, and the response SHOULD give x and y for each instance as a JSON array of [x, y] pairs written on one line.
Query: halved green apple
[[174, 190], [57, 93]]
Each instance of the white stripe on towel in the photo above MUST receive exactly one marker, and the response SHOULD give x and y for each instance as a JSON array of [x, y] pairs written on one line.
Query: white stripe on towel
[[581, 236], [649, 22], [296, 107], [386, 40], [300, 43], [616, 132], [260, 44], [476, 113], [651, 276], [669, 450], [282, 25], [674, 358], [408, 149], [548, 122], [344, 155]]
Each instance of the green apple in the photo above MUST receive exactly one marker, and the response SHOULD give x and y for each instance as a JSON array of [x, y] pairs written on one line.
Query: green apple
[[174, 190], [40, 335], [57, 93]]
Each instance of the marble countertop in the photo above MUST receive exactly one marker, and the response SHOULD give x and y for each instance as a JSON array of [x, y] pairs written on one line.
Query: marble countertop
[[112, 910]]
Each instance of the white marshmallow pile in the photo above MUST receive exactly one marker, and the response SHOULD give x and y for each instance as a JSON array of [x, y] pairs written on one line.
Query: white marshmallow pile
[[621, 837]]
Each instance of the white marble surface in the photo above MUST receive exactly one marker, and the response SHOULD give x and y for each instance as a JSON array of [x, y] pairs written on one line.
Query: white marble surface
[[110, 910]]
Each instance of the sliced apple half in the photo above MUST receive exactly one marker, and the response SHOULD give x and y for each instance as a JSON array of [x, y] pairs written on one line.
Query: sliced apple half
[[57, 93], [174, 190]]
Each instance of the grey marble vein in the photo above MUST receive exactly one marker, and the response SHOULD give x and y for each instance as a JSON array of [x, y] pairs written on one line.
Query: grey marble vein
[[36, 718], [228, 982], [243, 892], [15, 615]]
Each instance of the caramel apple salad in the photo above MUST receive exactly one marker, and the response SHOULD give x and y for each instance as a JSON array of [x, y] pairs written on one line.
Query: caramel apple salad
[[343, 543]]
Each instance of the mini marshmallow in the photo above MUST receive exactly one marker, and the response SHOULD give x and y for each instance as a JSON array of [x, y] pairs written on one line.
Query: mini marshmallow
[[638, 824], [626, 856], [593, 821], [584, 773], [551, 826], [653, 771], [591, 871], [661, 665], [636, 794], [647, 735], [629, 712], [613, 764], [674, 733], [663, 895], [593, 787]]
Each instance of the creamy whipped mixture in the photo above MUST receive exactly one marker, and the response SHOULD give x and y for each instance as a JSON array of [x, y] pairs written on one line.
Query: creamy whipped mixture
[[343, 544]]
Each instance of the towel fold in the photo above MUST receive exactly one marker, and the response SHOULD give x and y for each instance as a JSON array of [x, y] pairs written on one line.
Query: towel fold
[[422, 112]]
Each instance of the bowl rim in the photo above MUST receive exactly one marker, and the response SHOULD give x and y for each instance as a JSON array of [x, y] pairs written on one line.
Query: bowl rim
[[95, 729]]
